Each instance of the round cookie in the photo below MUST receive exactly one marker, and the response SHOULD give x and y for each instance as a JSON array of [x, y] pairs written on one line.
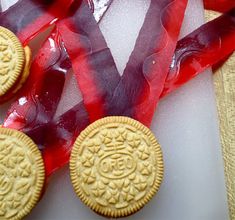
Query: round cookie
[[21, 174], [116, 166], [12, 60]]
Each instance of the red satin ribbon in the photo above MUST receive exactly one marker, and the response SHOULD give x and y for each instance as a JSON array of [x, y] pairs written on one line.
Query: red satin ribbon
[[27, 18], [92, 61], [137, 93], [41, 94], [204, 47]]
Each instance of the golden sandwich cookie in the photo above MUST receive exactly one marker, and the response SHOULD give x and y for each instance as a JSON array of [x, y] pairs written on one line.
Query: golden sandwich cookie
[[14, 64], [21, 174], [116, 166]]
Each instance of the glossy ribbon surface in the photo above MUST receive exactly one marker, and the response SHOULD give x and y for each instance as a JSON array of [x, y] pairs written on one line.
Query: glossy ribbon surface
[[136, 94]]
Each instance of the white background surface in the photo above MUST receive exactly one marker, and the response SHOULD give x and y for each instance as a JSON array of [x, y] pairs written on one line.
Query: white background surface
[[185, 124]]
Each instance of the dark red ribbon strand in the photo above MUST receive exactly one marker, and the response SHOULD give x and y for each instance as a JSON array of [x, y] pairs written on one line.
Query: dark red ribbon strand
[[27, 18], [92, 61], [97, 89], [202, 48], [219, 5], [141, 85], [40, 96], [61, 135]]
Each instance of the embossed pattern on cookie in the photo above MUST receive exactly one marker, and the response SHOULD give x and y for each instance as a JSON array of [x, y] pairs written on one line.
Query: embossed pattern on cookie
[[11, 60], [116, 166], [21, 174], [21, 80]]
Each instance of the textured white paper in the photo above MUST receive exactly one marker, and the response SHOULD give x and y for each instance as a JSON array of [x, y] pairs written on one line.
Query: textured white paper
[[185, 124]]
